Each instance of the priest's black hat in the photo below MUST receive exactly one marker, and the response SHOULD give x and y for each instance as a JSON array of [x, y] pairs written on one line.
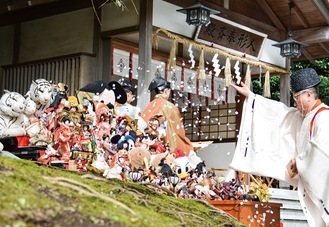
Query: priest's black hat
[[303, 79]]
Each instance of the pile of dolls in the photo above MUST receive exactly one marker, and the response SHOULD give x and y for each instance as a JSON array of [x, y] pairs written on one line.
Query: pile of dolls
[[94, 131]]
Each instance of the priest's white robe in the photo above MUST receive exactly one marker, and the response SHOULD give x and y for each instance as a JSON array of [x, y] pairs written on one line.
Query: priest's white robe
[[271, 134]]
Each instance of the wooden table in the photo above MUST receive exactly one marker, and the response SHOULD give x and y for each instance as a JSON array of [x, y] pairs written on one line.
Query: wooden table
[[252, 213]]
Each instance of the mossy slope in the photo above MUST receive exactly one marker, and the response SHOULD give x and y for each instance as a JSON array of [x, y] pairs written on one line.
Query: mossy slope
[[32, 195]]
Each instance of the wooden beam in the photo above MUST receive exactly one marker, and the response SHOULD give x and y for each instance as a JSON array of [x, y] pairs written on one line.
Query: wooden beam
[[181, 3], [325, 47], [300, 16], [307, 55], [44, 10], [268, 11], [322, 7], [120, 31], [312, 35], [272, 32]]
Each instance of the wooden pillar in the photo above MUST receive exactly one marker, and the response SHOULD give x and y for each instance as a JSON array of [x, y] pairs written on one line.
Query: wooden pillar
[[285, 86], [145, 52], [107, 45], [98, 47], [285, 98]]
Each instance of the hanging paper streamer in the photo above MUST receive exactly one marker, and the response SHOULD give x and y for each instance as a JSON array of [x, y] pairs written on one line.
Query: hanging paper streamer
[[247, 80], [227, 72], [237, 72], [121, 62], [216, 65], [190, 81], [219, 89], [267, 89], [201, 71], [192, 61], [172, 56]]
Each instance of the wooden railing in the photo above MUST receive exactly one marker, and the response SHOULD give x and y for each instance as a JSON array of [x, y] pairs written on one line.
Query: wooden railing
[[69, 69]]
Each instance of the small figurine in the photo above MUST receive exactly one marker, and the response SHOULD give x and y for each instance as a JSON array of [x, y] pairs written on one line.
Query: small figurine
[[63, 135]]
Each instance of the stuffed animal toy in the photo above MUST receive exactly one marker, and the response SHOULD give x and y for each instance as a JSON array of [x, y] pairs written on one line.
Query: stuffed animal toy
[[41, 93], [12, 106], [30, 108], [156, 159], [139, 157], [201, 168], [31, 123], [182, 167], [164, 168], [194, 159]]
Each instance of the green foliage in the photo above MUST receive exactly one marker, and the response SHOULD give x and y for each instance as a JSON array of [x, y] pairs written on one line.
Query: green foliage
[[324, 89], [322, 68], [274, 86]]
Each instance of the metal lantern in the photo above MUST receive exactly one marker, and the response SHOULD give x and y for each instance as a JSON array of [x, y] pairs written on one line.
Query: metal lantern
[[135, 176], [198, 14], [290, 47], [174, 180]]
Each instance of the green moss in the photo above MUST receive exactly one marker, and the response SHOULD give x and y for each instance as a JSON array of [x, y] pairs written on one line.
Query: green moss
[[33, 195]]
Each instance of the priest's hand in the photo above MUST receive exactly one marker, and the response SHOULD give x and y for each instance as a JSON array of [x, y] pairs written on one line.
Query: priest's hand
[[294, 166], [243, 89]]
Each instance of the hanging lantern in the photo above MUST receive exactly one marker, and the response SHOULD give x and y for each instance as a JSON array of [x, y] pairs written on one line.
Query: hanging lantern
[[290, 48], [198, 14]]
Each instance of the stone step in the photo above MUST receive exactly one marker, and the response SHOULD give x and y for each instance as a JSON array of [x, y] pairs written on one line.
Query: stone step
[[291, 213], [294, 204], [286, 206], [283, 194]]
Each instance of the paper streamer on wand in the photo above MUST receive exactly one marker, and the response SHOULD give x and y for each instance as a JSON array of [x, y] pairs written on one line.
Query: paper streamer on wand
[[190, 51], [216, 65], [237, 72]]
